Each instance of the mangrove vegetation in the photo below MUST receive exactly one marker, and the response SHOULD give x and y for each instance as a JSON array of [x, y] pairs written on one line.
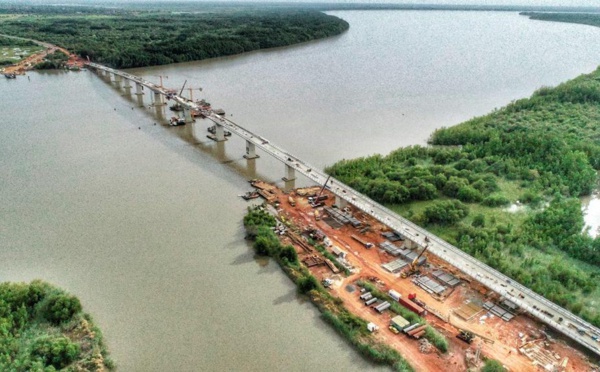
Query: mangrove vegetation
[[43, 328], [123, 39], [505, 188]]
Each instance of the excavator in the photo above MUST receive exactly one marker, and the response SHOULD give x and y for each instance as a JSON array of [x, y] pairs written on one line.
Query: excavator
[[413, 267]]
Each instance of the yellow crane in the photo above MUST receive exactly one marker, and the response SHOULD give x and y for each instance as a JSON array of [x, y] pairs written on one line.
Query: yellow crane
[[413, 267]]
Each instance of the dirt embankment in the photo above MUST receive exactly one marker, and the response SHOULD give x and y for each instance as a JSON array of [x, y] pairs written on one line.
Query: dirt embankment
[[495, 338]]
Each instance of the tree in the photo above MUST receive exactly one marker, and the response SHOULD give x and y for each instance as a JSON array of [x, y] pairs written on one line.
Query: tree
[[288, 253], [60, 307], [58, 352], [307, 284], [492, 365]]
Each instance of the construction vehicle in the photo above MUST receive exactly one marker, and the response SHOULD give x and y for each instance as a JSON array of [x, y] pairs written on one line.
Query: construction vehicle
[[413, 298], [413, 268], [466, 336]]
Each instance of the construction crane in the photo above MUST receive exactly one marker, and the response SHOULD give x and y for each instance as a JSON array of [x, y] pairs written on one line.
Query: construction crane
[[182, 87], [161, 79], [190, 89], [413, 267], [177, 106]]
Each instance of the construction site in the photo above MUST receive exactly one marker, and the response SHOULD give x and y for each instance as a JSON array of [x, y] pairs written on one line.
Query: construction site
[[345, 248], [29, 63]]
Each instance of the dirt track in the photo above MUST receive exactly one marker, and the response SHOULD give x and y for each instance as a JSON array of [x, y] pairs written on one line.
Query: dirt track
[[367, 264]]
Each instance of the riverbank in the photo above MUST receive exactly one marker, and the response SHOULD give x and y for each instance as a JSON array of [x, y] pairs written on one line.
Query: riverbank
[[127, 38], [310, 245], [43, 327]]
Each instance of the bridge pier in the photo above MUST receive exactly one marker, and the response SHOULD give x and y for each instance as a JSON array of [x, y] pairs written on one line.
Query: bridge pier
[[290, 174], [127, 87], [118, 80], [250, 151], [140, 94], [158, 99], [251, 169], [187, 114], [219, 133], [340, 202]]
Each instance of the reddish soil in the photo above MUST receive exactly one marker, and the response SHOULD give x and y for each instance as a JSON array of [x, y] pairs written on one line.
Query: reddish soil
[[30, 62], [367, 264]]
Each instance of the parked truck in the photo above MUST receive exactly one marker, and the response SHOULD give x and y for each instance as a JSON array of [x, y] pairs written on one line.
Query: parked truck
[[412, 306]]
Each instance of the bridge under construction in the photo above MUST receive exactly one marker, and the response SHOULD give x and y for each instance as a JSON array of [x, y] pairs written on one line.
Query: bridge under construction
[[536, 305]]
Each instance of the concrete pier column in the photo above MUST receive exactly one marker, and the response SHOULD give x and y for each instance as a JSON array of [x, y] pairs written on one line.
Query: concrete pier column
[[290, 173], [341, 203], [288, 186], [250, 151], [251, 169], [219, 133], [118, 80], [139, 89], [187, 114], [127, 87], [140, 100], [158, 99]]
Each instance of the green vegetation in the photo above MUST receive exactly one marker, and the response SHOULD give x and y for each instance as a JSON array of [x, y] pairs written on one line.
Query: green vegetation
[[53, 61], [436, 339], [592, 19], [540, 154], [13, 50], [42, 328], [259, 226], [123, 39], [492, 365]]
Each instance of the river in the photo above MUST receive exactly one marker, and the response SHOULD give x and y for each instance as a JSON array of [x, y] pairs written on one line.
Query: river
[[143, 222]]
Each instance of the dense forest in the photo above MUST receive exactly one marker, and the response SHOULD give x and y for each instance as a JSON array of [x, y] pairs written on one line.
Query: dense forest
[[42, 328], [537, 155], [135, 39]]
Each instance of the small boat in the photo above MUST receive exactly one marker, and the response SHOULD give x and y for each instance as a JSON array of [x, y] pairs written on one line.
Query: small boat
[[10, 76], [175, 121], [213, 130], [250, 195]]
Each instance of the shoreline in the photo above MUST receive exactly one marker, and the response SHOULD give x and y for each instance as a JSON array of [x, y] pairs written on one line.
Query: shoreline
[[365, 266]]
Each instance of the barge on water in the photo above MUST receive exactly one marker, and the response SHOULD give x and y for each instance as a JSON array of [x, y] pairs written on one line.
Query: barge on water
[[175, 121], [250, 195]]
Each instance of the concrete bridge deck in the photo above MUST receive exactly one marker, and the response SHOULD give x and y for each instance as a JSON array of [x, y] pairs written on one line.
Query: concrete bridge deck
[[539, 307]]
